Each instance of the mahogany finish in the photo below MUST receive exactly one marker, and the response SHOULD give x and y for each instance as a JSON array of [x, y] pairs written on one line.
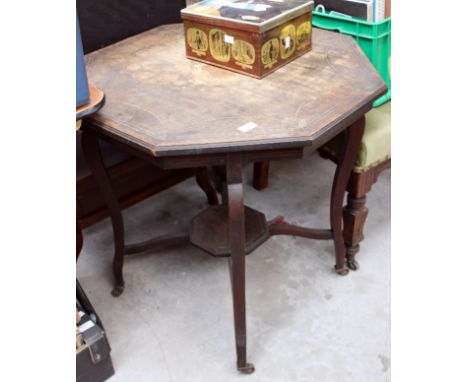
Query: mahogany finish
[[96, 101], [346, 160], [237, 244], [355, 211], [148, 81], [177, 113], [133, 180], [209, 230], [91, 150], [260, 175], [93, 156]]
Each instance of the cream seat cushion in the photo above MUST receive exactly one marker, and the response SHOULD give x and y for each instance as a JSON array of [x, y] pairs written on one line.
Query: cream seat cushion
[[376, 142]]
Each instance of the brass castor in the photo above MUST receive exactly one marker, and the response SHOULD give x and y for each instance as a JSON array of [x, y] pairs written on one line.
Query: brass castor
[[118, 290], [342, 271], [249, 368], [352, 264]]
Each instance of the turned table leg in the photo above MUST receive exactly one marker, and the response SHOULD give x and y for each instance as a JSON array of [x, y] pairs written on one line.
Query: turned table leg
[[92, 153], [343, 171], [260, 175], [79, 237], [235, 199]]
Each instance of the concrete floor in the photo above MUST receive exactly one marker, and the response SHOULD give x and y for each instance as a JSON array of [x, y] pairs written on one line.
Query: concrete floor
[[305, 323]]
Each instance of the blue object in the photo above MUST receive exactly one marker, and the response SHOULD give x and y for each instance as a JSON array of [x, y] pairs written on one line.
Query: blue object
[[82, 90]]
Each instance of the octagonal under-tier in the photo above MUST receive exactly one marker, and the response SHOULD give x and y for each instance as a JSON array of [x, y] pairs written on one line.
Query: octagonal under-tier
[[209, 230]]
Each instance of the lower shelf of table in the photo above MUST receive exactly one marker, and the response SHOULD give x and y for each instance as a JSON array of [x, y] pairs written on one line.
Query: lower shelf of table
[[209, 230]]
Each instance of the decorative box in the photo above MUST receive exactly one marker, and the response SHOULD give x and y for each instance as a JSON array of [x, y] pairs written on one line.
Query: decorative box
[[253, 37], [82, 91]]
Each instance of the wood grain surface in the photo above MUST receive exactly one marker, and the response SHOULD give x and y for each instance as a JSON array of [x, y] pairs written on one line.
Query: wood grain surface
[[96, 101], [164, 104]]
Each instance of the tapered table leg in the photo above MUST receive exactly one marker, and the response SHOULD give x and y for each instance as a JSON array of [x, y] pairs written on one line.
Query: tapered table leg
[[92, 153], [79, 238], [343, 171], [203, 181], [235, 201]]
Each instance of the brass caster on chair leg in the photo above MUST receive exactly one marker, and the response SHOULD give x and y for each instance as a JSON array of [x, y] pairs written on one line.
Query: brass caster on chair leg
[[118, 290], [249, 368], [342, 271], [352, 264]]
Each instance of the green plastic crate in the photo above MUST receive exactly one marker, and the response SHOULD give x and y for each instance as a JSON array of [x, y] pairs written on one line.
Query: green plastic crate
[[373, 38]]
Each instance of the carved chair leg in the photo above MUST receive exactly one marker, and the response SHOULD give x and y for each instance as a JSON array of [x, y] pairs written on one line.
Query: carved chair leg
[[203, 181], [235, 199], [93, 156], [260, 175], [354, 217], [355, 212], [343, 170]]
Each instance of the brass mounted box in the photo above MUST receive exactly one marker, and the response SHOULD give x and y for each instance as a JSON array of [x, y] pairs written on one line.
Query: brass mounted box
[[253, 37]]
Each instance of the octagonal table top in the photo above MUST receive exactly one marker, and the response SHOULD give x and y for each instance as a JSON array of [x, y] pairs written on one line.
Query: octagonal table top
[[165, 104]]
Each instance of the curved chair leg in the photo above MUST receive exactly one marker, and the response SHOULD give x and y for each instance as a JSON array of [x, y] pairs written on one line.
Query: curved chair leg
[[92, 153], [235, 199], [203, 181], [343, 170]]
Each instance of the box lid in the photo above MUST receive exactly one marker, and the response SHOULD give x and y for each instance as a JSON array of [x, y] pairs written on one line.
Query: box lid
[[257, 15]]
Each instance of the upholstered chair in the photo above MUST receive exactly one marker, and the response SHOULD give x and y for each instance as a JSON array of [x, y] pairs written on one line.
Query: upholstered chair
[[374, 157]]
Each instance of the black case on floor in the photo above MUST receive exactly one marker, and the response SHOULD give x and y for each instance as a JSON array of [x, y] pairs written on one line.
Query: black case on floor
[[93, 360]]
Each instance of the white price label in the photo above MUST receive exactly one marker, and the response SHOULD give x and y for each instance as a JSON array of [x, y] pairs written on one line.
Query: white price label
[[84, 327], [247, 127], [228, 39]]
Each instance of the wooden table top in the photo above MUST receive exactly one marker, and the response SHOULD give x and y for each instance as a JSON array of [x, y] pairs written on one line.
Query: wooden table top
[[160, 102], [96, 101]]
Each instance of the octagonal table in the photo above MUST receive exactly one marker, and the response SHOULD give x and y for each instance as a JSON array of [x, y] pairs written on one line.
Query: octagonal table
[[178, 113]]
